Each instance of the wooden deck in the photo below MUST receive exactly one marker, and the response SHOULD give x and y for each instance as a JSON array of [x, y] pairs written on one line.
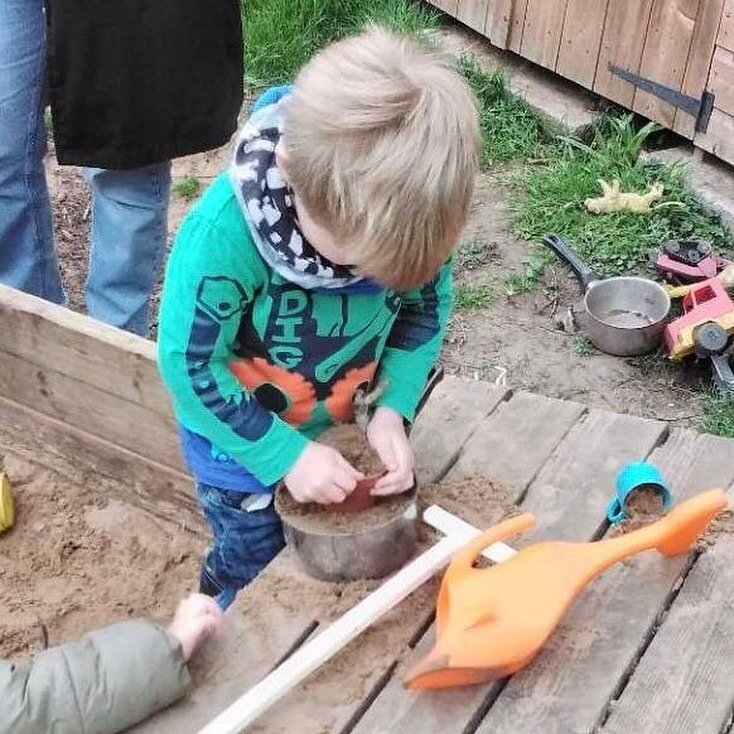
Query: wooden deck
[[647, 648]]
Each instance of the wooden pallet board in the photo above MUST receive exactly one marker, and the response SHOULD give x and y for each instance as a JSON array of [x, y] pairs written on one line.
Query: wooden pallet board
[[449, 418], [258, 632], [601, 636], [447, 712], [508, 448], [452, 413], [579, 478], [683, 683], [581, 39]]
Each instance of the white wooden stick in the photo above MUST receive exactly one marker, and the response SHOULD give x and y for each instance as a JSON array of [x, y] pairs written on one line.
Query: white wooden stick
[[321, 648], [450, 525]]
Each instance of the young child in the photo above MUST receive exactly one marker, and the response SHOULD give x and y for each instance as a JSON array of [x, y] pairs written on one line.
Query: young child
[[320, 263], [110, 679]]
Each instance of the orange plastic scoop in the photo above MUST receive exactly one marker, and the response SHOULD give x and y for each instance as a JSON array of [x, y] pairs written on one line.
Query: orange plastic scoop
[[491, 622]]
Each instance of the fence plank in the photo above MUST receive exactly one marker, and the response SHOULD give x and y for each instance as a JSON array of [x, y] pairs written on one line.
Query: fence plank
[[699, 62], [499, 20], [665, 55], [541, 36], [719, 138], [721, 82], [473, 13], [448, 6], [622, 43], [726, 29], [581, 39], [517, 24]]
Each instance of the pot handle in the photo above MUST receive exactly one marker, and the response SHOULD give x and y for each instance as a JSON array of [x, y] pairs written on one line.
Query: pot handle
[[582, 271]]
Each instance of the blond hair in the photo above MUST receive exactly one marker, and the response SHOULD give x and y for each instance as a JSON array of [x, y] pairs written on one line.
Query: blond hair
[[382, 144]]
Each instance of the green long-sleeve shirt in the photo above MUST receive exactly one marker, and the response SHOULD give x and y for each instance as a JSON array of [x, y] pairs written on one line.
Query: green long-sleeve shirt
[[257, 365]]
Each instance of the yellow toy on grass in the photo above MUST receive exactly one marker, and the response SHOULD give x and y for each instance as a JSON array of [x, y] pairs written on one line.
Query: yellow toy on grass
[[7, 510], [615, 200]]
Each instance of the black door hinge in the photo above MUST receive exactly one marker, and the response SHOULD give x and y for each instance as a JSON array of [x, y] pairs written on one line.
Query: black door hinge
[[698, 107]]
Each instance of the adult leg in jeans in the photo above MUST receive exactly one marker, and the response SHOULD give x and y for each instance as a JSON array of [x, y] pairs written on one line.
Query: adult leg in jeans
[[27, 257], [129, 229]]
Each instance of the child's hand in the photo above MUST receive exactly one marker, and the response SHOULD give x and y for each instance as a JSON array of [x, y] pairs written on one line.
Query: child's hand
[[197, 618], [321, 475], [386, 434]]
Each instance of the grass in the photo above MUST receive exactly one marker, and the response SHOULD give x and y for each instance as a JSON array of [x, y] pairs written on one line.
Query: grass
[[510, 127], [187, 188], [719, 412], [281, 35], [473, 297], [525, 281], [581, 346], [612, 243]]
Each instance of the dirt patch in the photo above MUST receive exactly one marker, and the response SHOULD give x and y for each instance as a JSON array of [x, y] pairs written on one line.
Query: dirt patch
[[514, 338], [75, 561]]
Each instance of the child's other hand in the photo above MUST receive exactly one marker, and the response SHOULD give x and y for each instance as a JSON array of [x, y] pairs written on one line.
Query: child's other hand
[[197, 618], [321, 475], [386, 434]]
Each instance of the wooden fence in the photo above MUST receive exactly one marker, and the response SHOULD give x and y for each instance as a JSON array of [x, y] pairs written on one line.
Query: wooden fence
[[669, 60]]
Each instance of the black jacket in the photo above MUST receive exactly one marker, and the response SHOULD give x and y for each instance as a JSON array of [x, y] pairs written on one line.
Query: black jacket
[[135, 82]]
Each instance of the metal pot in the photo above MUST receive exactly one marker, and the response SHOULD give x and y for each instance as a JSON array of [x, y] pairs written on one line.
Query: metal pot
[[624, 315]]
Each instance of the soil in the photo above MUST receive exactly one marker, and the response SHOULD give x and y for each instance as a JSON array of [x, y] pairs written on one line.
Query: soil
[[75, 561], [315, 518], [326, 700]]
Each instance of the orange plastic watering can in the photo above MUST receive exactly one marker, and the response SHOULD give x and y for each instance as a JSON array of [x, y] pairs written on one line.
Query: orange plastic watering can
[[491, 622]]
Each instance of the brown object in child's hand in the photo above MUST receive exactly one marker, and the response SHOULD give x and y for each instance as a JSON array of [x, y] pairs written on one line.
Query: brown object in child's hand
[[361, 497]]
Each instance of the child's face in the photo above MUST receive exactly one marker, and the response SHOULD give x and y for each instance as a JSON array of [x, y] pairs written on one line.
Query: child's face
[[320, 238]]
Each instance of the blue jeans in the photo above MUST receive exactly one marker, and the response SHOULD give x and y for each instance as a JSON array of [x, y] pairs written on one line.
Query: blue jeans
[[245, 540], [129, 209]]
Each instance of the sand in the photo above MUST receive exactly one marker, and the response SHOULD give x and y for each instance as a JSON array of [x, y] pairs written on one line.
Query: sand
[[315, 518], [76, 560]]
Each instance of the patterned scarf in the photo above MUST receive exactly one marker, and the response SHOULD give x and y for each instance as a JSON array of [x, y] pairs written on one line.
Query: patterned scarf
[[268, 206]]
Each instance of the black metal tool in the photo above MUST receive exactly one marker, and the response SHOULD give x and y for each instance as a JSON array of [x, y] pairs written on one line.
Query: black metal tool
[[698, 107]]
